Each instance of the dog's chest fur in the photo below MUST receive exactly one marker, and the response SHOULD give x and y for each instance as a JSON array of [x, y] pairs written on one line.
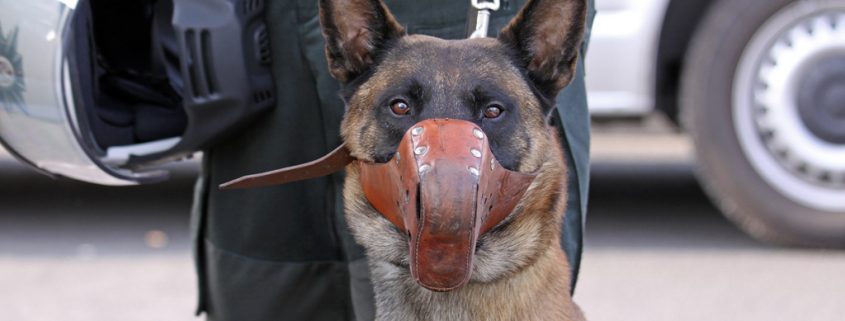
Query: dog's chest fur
[[400, 298]]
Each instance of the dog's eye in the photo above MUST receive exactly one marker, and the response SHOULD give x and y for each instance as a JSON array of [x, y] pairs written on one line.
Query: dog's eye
[[492, 111], [400, 107]]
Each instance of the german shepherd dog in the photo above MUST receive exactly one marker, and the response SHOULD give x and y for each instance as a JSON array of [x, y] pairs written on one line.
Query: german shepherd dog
[[504, 86]]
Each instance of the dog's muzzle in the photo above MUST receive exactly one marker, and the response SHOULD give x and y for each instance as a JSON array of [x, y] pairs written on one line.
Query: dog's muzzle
[[444, 188]]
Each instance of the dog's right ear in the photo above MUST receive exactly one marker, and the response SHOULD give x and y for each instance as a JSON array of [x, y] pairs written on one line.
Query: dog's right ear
[[356, 32]]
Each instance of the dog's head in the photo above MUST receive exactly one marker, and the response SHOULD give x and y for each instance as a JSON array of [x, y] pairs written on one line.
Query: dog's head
[[505, 86]]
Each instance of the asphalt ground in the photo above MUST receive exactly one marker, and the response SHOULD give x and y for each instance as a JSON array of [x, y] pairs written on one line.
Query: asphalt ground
[[656, 248]]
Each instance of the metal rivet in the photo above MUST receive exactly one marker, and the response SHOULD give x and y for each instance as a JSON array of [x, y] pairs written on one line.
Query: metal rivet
[[478, 133], [424, 168], [420, 150], [475, 152], [474, 171], [416, 131]]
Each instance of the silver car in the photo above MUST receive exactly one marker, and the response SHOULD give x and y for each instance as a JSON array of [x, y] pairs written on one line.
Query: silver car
[[100, 91]]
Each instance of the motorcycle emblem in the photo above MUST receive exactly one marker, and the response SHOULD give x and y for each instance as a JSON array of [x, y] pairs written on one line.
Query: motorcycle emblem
[[11, 75]]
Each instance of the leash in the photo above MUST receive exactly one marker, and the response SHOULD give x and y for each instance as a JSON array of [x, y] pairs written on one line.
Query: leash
[[482, 9]]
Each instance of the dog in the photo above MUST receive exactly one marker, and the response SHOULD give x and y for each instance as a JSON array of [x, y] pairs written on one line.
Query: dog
[[505, 87]]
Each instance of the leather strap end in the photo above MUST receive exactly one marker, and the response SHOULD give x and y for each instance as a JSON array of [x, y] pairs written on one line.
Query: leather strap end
[[331, 163]]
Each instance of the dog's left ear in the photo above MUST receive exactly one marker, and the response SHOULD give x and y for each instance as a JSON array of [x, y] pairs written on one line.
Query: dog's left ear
[[356, 32], [546, 35]]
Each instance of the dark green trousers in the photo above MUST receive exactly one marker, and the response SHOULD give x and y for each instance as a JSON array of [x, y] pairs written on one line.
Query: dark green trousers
[[284, 252]]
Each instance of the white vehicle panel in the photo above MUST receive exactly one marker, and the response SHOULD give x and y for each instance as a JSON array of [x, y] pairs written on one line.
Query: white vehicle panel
[[620, 63]]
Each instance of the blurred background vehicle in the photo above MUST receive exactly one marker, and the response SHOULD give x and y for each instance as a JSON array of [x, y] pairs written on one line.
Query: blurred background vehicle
[[103, 92], [759, 86]]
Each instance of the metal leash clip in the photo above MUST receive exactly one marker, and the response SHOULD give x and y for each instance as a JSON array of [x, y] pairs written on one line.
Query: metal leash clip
[[482, 23]]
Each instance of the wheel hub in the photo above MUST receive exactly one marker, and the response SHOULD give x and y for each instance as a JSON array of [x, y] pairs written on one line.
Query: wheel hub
[[7, 73], [821, 100], [789, 103], [798, 100]]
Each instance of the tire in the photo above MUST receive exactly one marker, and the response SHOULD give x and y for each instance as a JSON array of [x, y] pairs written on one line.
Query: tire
[[761, 176]]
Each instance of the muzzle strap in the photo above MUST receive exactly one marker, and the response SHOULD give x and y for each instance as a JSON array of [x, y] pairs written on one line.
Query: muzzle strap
[[331, 163]]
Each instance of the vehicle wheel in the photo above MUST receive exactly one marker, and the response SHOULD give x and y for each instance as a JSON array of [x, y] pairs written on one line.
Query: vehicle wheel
[[763, 97]]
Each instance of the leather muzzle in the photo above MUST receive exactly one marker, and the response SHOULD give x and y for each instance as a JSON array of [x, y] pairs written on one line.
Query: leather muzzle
[[443, 188]]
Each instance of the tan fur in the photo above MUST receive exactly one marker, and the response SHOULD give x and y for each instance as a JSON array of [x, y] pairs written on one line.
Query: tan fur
[[519, 270], [519, 273], [399, 63]]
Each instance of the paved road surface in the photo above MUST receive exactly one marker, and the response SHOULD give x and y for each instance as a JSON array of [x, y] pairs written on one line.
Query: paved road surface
[[656, 248]]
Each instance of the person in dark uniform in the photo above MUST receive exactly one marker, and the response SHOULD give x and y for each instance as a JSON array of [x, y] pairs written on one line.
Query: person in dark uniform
[[284, 252]]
